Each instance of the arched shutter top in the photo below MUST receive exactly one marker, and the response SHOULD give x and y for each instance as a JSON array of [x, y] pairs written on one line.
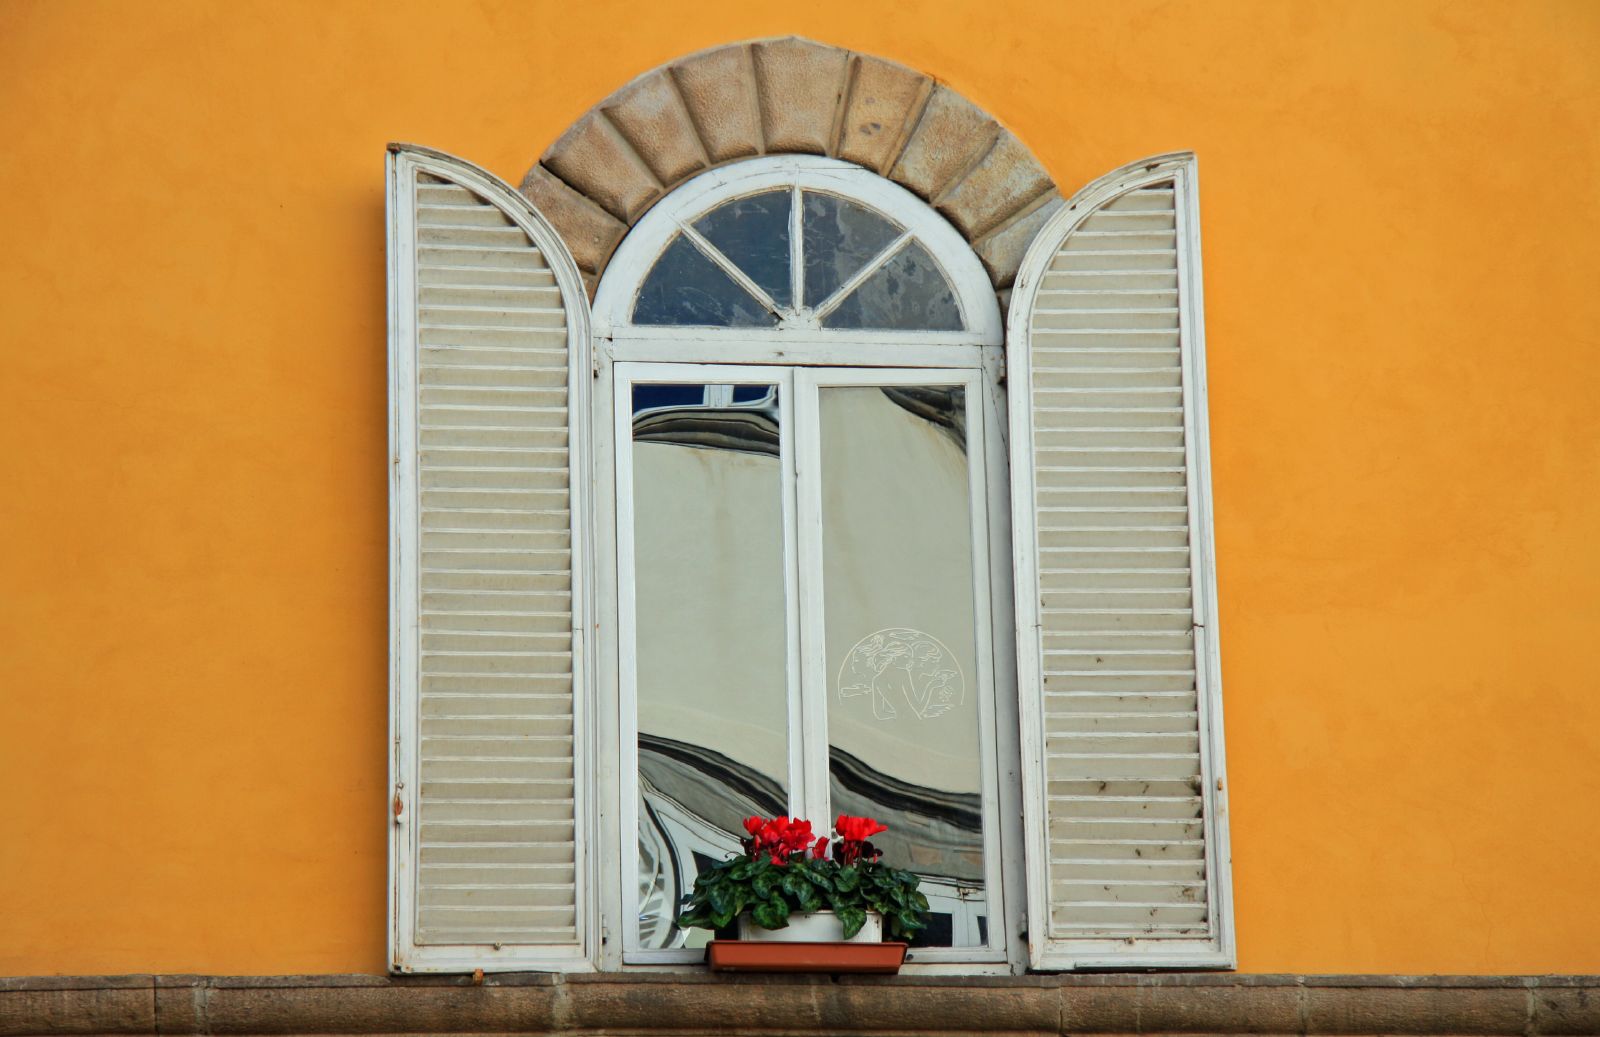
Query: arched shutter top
[[1117, 645], [488, 343]]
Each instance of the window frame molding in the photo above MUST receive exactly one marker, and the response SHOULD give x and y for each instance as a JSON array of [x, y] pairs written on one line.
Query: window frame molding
[[799, 389], [649, 238], [981, 349]]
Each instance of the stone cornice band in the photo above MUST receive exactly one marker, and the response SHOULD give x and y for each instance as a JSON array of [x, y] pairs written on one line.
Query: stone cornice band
[[1189, 1003]]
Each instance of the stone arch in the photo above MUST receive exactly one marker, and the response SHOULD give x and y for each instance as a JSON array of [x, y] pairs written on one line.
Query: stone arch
[[790, 95]]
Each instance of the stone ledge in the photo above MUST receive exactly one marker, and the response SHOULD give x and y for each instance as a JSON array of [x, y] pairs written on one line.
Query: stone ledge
[[679, 1003], [789, 96]]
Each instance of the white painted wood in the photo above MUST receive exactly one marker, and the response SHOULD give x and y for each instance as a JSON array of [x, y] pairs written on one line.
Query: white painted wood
[[1122, 757], [982, 491], [809, 792], [649, 237], [796, 348], [624, 377], [490, 720], [797, 353]]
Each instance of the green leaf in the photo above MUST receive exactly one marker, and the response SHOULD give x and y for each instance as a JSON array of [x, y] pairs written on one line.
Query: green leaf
[[741, 871], [720, 898], [853, 918], [764, 883], [771, 914], [847, 879]]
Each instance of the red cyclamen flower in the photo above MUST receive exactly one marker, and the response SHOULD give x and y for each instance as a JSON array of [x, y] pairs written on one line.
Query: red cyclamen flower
[[778, 838]]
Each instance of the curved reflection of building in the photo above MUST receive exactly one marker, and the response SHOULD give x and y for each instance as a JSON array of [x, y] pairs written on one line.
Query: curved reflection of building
[[694, 799], [711, 641]]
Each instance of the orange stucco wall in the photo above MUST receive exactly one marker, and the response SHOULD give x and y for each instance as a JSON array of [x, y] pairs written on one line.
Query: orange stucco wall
[[1402, 248]]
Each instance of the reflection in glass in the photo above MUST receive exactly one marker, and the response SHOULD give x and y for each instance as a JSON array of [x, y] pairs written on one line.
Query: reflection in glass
[[903, 734], [909, 291], [840, 237], [753, 233], [685, 287], [902, 287], [710, 632]]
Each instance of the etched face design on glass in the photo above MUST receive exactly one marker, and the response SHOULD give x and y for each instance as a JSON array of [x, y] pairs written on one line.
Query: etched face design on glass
[[903, 729]]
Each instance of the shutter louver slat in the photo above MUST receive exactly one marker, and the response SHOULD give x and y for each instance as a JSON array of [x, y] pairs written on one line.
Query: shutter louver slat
[[1129, 865], [488, 849]]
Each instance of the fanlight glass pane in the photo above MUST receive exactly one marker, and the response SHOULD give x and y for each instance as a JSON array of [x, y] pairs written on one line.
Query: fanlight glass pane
[[903, 731], [710, 633], [685, 287], [908, 292], [754, 234], [840, 237], [748, 242]]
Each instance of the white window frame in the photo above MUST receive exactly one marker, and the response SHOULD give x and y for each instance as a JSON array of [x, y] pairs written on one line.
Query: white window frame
[[634, 258], [751, 355]]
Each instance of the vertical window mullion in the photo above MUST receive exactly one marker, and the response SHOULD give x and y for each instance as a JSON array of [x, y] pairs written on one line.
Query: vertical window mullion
[[813, 704], [978, 498], [795, 564]]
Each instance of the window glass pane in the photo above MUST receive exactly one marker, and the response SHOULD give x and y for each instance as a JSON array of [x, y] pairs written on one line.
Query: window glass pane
[[909, 291], [903, 732], [684, 287], [753, 393], [711, 653], [839, 238], [754, 233]]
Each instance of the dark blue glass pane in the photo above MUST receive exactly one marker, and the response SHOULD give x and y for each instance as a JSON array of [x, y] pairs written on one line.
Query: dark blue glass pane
[[684, 287], [754, 233], [909, 292], [751, 393], [651, 397], [840, 237]]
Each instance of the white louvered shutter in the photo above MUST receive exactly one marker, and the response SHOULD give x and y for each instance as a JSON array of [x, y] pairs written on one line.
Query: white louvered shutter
[[1118, 673], [487, 323]]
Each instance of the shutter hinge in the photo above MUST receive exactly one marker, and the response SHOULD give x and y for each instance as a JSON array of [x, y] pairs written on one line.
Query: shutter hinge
[[399, 804]]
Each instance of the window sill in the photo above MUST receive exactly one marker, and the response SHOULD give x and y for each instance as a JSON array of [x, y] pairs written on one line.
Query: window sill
[[1194, 1003]]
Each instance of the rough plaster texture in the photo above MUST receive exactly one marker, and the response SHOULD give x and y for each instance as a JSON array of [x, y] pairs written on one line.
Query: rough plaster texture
[[781, 97]]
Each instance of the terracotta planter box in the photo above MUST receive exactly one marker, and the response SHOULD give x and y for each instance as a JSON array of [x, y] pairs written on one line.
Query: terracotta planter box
[[772, 956]]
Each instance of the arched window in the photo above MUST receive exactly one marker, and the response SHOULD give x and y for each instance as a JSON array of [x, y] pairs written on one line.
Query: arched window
[[773, 249], [801, 360], [783, 523]]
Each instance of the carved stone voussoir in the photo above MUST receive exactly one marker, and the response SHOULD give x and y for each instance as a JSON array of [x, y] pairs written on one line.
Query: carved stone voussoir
[[785, 96]]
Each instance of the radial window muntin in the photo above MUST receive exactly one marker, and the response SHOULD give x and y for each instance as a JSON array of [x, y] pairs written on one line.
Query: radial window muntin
[[771, 314]]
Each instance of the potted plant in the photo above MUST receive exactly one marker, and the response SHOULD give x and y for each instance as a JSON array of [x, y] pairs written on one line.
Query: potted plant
[[789, 887]]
